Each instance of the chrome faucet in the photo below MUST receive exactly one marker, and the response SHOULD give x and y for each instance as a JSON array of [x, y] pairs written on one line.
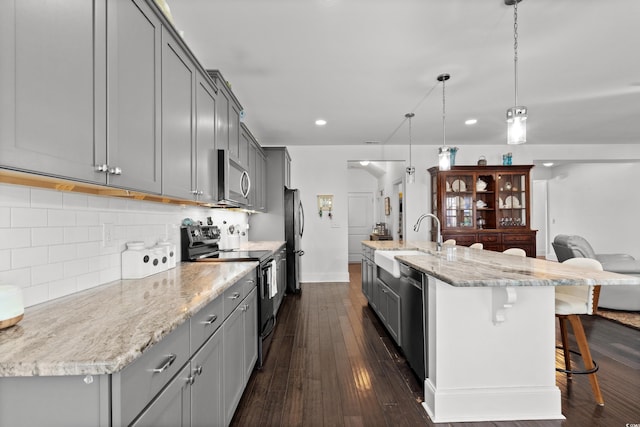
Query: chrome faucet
[[438, 235]]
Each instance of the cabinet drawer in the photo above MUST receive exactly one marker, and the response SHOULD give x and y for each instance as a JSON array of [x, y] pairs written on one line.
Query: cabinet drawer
[[489, 238], [249, 282], [461, 239], [205, 322], [517, 238], [233, 296], [139, 382]]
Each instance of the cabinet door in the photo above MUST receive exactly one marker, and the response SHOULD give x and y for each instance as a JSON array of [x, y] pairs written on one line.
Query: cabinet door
[[261, 177], [513, 189], [392, 304], [458, 201], [234, 362], [134, 51], [250, 333], [172, 407], [206, 158], [178, 85], [52, 80], [206, 391], [234, 135], [253, 197], [365, 281]]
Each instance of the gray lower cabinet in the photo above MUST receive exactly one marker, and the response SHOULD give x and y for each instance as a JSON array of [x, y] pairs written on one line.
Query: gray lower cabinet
[[172, 407], [195, 376], [207, 398], [52, 121], [382, 296], [240, 352]]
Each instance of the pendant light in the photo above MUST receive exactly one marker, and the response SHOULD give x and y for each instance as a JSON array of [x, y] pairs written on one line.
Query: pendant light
[[411, 171], [516, 115], [444, 152]]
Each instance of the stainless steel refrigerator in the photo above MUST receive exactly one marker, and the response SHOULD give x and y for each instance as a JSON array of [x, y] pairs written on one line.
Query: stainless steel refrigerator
[[293, 231]]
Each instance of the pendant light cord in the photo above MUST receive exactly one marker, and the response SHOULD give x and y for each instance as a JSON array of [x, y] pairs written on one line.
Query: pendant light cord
[[515, 48], [444, 128]]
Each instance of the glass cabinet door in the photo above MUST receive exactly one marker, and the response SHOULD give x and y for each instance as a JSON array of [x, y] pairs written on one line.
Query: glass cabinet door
[[512, 200], [458, 201], [485, 201]]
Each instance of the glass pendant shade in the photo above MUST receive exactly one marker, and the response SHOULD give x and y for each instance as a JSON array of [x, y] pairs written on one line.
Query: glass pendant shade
[[444, 158], [516, 125], [411, 175]]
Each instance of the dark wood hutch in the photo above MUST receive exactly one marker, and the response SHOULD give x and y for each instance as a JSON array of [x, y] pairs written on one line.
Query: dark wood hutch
[[486, 204]]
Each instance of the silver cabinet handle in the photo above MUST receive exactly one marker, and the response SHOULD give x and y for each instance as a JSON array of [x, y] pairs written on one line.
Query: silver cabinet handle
[[168, 362], [115, 171], [244, 307], [235, 295], [191, 379], [198, 370], [211, 319], [251, 281], [103, 168]]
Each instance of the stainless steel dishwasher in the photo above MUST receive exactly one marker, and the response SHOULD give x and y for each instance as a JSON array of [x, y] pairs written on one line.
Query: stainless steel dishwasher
[[413, 320]]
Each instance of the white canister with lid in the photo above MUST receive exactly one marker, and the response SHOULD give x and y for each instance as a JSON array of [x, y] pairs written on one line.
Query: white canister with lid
[[170, 250], [136, 261], [11, 305]]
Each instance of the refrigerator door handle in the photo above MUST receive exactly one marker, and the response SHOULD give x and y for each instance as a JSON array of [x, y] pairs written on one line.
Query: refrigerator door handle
[[301, 211]]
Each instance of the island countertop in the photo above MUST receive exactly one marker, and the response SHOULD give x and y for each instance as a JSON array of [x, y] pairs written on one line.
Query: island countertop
[[102, 330], [465, 267]]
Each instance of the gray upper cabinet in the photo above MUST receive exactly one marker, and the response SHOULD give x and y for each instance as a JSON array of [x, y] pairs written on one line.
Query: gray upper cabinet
[[178, 85], [228, 125], [133, 59], [206, 157], [52, 121]]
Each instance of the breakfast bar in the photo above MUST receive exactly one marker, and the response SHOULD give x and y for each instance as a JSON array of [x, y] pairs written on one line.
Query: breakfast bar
[[489, 322]]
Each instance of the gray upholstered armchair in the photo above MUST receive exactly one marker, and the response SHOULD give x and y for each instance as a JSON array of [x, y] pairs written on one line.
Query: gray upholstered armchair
[[615, 297]]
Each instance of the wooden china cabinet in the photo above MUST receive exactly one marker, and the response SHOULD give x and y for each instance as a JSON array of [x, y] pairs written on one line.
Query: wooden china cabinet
[[486, 204]]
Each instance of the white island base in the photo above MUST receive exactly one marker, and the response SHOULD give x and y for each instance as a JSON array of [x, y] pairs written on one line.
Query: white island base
[[491, 353]]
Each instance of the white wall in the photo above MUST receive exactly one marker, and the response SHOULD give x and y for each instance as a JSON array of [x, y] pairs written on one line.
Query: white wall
[[599, 201], [323, 170], [51, 241]]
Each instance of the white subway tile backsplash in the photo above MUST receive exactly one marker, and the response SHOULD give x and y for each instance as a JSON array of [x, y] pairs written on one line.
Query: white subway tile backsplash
[[61, 218], [87, 218], [51, 242], [47, 273], [46, 198], [14, 238], [28, 217], [64, 287], [5, 259], [5, 217], [75, 200], [76, 267], [61, 253], [14, 195], [28, 257], [35, 294], [47, 236], [76, 234]]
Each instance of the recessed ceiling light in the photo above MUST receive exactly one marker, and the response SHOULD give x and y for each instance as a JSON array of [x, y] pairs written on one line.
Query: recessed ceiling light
[[471, 122], [364, 162], [321, 122], [548, 164]]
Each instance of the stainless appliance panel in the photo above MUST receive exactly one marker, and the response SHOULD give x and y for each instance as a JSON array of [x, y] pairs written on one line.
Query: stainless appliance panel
[[293, 232], [234, 182]]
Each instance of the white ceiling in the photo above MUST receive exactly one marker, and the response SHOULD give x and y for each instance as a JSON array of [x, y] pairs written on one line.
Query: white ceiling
[[363, 64]]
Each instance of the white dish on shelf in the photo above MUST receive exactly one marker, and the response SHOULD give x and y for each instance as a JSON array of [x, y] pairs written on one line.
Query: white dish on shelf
[[458, 185], [511, 202], [481, 185], [481, 204]]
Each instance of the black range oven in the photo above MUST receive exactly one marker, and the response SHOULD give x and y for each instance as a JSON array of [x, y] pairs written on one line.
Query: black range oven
[[199, 243]]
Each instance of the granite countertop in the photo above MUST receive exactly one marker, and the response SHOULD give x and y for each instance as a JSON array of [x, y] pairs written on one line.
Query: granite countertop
[[464, 267], [102, 330], [272, 246]]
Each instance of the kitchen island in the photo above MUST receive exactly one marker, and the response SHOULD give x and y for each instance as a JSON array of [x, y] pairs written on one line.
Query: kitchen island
[[490, 330]]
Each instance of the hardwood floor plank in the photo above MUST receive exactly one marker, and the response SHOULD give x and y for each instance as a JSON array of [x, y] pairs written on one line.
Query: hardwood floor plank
[[332, 363]]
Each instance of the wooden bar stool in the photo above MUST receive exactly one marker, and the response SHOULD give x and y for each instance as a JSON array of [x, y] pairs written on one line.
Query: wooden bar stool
[[571, 302]]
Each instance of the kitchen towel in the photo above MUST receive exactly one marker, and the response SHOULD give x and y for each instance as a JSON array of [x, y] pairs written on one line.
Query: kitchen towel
[[273, 286]]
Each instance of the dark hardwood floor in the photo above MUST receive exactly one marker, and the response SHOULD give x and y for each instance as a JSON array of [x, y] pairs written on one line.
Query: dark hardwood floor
[[332, 363]]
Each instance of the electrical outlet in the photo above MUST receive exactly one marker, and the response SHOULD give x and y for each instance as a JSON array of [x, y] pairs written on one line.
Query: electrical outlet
[[107, 235]]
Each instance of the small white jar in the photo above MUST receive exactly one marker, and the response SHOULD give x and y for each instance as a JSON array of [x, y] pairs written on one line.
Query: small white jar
[[136, 261]]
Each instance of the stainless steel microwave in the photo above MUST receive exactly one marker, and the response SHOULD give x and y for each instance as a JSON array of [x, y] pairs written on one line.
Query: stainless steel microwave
[[234, 182]]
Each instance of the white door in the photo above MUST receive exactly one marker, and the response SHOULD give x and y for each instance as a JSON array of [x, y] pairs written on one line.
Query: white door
[[360, 222], [539, 216]]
